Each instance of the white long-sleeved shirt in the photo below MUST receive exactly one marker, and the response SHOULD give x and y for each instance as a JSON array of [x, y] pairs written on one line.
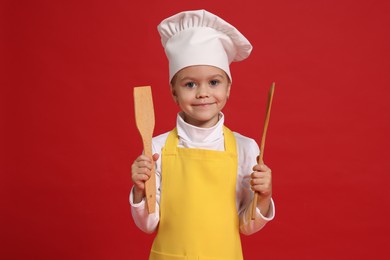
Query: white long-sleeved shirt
[[213, 139]]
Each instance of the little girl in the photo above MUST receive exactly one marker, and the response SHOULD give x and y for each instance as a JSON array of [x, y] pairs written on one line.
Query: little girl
[[205, 174]]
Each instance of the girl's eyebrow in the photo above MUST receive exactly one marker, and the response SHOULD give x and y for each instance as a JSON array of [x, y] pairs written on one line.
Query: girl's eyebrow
[[215, 76], [186, 78], [209, 77]]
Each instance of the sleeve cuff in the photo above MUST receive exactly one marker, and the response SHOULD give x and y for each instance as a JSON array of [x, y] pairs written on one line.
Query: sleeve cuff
[[271, 212]]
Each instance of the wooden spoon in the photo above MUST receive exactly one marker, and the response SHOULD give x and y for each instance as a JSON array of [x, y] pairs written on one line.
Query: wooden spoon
[[262, 145], [144, 117]]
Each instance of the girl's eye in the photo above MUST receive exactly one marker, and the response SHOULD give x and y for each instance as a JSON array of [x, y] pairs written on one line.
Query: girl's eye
[[214, 82], [190, 84]]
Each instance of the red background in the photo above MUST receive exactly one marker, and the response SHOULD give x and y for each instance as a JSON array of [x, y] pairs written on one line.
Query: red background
[[69, 135]]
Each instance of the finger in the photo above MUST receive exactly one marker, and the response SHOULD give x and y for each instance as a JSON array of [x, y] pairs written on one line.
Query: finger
[[258, 188], [261, 168], [143, 164], [256, 174], [143, 177], [143, 158], [262, 188], [257, 181], [155, 156], [144, 171], [265, 168], [261, 181], [140, 179], [137, 172], [140, 163]]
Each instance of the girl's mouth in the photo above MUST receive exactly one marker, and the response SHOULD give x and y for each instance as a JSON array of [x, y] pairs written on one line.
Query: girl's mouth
[[202, 104]]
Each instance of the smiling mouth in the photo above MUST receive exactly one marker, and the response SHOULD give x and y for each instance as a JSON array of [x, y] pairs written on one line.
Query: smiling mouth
[[202, 104]]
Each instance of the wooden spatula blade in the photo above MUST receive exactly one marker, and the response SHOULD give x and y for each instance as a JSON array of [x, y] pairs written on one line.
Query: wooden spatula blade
[[144, 111], [144, 117]]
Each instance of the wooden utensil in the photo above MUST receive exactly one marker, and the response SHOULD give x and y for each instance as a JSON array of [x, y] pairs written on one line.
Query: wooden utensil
[[262, 144], [144, 117]]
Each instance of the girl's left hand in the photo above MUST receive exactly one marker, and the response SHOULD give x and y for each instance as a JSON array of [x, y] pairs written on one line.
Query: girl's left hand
[[262, 181]]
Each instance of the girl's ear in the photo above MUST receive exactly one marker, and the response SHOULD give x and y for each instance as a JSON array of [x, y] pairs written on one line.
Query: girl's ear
[[228, 90], [173, 92]]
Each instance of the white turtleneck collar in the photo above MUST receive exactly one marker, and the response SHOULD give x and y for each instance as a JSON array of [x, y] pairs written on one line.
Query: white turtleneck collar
[[196, 137]]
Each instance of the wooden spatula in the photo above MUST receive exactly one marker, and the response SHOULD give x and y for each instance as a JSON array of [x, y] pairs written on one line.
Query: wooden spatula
[[144, 117], [262, 144]]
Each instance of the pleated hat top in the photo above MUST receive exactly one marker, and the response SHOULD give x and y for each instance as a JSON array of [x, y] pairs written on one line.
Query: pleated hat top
[[201, 38]]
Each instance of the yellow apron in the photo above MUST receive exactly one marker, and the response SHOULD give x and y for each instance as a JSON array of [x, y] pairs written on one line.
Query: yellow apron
[[198, 215]]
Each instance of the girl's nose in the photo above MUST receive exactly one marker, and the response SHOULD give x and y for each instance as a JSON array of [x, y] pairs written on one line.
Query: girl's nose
[[203, 91]]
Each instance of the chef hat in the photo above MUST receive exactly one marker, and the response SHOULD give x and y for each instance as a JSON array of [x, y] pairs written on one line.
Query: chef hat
[[201, 38]]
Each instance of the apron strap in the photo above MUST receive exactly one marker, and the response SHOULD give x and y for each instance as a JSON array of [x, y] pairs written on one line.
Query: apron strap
[[230, 141], [171, 142]]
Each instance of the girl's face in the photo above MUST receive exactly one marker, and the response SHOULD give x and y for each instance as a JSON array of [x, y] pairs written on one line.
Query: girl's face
[[201, 92]]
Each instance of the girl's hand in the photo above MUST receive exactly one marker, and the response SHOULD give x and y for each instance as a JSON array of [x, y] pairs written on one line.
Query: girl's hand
[[262, 181], [140, 173]]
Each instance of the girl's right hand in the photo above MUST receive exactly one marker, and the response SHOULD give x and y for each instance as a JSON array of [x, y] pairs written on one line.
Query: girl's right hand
[[140, 173]]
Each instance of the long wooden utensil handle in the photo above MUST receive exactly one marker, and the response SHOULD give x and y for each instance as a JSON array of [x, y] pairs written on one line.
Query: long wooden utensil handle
[[262, 144], [150, 185], [144, 117]]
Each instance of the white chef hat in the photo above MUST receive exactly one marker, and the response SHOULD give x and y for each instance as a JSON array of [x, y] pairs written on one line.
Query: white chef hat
[[201, 38]]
